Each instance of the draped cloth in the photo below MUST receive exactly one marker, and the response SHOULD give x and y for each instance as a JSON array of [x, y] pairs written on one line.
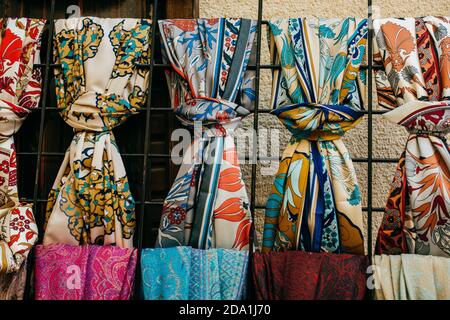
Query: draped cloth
[[300, 275], [87, 272], [20, 89], [185, 273], [98, 87], [415, 84], [315, 204], [412, 277], [207, 206]]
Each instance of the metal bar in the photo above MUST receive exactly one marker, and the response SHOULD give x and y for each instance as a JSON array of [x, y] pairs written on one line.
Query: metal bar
[[250, 287], [124, 155], [168, 66], [369, 129], [364, 209], [153, 202], [168, 109], [146, 166], [369, 135], [44, 98], [356, 159], [168, 156]]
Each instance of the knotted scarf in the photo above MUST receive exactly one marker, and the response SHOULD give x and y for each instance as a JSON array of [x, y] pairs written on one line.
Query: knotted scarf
[[415, 83], [98, 87], [20, 89], [207, 206], [315, 204]]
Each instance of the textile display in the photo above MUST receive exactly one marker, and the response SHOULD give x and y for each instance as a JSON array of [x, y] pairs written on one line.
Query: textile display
[[87, 272], [98, 87], [315, 204], [412, 277], [300, 275], [185, 273], [20, 90], [207, 205], [415, 84]]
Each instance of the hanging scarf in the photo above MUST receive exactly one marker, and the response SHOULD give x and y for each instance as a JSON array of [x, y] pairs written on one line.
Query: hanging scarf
[[88, 272], [412, 277], [98, 87], [207, 206], [184, 273], [315, 203], [299, 275], [20, 89], [415, 83]]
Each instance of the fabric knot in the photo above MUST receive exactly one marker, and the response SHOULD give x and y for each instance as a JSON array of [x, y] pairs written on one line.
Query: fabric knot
[[93, 111], [313, 121], [423, 117], [217, 117], [11, 118]]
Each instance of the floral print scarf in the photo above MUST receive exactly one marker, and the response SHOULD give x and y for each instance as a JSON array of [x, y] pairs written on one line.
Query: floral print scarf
[[207, 206], [20, 89], [315, 204], [415, 84], [98, 87], [205, 224]]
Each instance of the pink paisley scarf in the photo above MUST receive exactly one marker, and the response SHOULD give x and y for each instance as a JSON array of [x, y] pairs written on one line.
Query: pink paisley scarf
[[88, 272]]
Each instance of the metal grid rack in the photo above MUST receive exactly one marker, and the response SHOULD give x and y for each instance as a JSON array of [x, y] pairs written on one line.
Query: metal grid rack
[[144, 198]]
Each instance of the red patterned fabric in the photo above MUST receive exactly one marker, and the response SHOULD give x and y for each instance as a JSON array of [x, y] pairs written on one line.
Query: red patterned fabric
[[91, 272], [300, 275], [20, 91]]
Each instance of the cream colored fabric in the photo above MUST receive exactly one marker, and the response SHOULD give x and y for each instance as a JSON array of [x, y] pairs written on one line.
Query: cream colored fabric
[[98, 87], [412, 277]]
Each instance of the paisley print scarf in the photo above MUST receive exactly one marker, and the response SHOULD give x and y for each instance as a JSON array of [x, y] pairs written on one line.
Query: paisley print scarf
[[415, 84], [300, 275], [87, 272], [184, 273], [315, 204], [207, 206], [98, 87], [20, 89]]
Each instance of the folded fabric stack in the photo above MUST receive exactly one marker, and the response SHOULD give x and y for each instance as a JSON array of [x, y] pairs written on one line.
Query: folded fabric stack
[[300, 275], [66, 272], [184, 273], [412, 277]]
